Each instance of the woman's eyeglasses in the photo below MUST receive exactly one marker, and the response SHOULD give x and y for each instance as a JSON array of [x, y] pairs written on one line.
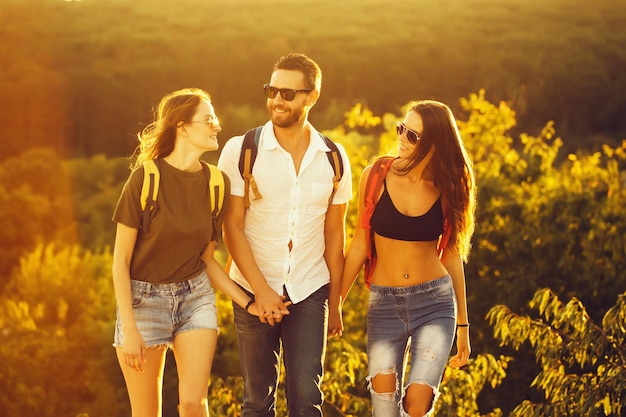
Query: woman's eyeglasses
[[212, 121], [286, 93], [411, 135]]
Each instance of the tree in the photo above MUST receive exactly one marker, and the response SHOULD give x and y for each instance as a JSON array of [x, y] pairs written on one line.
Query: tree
[[56, 327], [583, 364], [35, 205]]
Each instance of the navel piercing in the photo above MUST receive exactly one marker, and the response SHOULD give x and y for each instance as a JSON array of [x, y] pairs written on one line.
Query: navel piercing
[[406, 276]]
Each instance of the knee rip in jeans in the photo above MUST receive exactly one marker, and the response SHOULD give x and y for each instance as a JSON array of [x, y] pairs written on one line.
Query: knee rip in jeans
[[381, 383], [406, 407]]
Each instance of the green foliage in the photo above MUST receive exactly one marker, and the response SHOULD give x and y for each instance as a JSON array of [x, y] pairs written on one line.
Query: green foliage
[[35, 205], [544, 219], [583, 365], [46, 199], [96, 186], [460, 387], [56, 327], [94, 68]]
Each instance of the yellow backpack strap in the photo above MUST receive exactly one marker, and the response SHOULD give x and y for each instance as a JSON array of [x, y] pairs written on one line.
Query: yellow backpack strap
[[216, 189], [217, 193], [149, 193]]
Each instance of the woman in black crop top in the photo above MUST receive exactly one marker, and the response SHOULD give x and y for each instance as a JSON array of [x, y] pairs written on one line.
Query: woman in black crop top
[[415, 228], [161, 274]]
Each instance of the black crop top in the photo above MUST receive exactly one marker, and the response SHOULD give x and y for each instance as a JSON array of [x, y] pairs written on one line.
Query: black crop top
[[387, 221]]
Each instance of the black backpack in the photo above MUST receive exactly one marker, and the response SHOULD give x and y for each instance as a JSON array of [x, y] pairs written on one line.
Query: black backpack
[[248, 156]]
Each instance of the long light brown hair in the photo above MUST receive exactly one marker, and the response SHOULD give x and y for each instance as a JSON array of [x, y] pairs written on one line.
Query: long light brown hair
[[451, 170], [157, 140]]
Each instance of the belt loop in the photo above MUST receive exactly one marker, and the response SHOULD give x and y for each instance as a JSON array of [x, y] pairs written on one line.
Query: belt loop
[[194, 282]]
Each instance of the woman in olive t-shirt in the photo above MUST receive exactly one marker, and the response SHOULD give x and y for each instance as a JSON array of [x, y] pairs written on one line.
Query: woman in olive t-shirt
[[161, 276]]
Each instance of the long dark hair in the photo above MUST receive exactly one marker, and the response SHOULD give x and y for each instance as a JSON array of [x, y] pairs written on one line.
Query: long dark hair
[[157, 140], [450, 167]]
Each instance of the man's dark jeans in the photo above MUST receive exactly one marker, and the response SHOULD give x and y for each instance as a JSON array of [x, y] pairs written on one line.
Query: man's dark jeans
[[303, 336]]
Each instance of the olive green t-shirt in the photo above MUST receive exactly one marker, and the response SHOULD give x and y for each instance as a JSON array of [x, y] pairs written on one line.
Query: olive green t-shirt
[[180, 230]]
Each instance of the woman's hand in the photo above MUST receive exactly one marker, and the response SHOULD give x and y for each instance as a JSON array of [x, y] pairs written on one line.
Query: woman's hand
[[134, 350], [463, 348], [335, 321], [255, 310]]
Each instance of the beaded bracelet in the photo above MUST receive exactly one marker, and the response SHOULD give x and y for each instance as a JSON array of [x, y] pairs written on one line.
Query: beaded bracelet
[[249, 304]]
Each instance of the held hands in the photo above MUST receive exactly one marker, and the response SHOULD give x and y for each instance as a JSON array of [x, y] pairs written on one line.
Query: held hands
[[269, 307], [134, 350], [335, 321]]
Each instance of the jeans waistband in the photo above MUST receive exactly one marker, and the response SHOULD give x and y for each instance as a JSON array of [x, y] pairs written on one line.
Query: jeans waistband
[[172, 288], [424, 286]]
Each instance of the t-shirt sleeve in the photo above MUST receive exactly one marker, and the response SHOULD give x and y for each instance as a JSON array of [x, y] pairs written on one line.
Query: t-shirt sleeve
[[229, 164], [344, 190], [128, 209]]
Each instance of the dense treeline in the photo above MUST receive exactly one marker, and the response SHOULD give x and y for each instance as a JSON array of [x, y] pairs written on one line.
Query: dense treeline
[[548, 229], [81, 76]]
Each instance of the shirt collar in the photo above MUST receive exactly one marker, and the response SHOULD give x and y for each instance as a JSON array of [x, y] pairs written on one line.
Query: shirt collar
[[269, 141]]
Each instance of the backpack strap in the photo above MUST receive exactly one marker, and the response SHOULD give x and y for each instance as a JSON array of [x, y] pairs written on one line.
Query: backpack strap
[[149, 193], [372, 191], [447, 231], [216, 188], [246, 162], [248, 155], [336, 162]]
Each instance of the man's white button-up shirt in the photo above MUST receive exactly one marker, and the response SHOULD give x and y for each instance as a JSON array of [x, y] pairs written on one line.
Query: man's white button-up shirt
[[292, 209]]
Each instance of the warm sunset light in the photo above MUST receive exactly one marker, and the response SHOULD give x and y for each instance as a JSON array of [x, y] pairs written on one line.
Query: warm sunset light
[[538, 90]]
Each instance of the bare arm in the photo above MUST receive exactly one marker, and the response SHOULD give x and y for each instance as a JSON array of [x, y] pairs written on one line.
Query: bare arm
[[266, 299], [453, 263], [357, 250], [134, 347], [220, 280], [334, 240]]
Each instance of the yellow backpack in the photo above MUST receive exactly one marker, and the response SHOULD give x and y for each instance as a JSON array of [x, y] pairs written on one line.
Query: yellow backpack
[[150, 191]]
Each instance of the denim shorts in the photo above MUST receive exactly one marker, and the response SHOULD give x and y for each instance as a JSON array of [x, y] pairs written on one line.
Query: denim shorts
[[420, 320], [164, 310]]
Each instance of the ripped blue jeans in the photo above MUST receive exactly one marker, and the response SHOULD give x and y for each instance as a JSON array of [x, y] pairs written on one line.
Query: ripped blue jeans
[[420, 320]]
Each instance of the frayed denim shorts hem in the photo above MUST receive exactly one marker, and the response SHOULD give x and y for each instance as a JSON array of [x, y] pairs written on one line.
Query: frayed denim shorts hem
[[163, 311]]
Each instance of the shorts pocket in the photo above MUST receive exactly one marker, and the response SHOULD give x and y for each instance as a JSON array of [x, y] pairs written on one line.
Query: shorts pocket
[[138, 299], [138, 292], [203, 287]]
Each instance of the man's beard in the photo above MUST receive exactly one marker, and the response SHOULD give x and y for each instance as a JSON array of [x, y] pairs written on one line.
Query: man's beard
[[293, 117]]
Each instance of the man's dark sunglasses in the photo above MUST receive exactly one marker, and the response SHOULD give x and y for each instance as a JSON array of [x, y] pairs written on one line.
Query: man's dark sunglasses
[[411, 135], [286, 93]]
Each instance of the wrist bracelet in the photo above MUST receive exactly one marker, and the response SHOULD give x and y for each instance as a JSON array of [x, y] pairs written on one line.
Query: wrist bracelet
[[249, 304], [463, 325]]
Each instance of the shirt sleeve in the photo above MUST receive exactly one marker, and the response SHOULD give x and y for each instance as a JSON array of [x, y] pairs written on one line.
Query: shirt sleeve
[[229, 164], [128, 209], [344, 191]]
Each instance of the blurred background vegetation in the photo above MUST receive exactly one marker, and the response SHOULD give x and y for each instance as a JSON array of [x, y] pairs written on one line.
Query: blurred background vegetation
[[539, 91], [82, 76]]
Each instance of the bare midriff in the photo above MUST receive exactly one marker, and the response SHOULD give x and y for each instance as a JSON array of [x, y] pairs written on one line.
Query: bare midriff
[[401, 263]]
